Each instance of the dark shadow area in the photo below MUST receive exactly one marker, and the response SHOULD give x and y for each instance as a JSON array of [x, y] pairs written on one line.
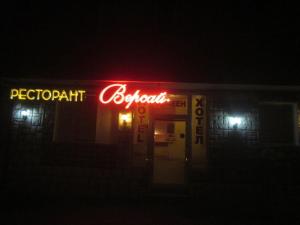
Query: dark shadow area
[[261, 189]]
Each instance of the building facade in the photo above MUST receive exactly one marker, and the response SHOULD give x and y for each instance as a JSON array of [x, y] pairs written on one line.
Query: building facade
[[120, 137]]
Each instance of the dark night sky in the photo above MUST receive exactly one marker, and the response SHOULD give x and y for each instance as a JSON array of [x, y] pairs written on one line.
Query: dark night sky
[[241, 42]]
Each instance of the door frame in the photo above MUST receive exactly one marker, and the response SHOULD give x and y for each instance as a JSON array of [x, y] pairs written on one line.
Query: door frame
[[151, 146]]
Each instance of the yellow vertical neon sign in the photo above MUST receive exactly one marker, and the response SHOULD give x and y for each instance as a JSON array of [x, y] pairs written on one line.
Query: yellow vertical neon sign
[[199, 121]]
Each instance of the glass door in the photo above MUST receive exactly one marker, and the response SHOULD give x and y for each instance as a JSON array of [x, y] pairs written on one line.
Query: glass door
[[169, 152]]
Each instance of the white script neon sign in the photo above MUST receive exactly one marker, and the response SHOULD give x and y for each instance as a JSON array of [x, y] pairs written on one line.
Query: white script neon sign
[[117, 93]]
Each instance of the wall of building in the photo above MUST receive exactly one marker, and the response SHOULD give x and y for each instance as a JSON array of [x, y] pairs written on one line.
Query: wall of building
[[91, 157], [57, 149]]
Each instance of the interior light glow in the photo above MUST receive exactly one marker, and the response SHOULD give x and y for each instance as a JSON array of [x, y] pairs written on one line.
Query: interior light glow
[[234, 121], [25, 113], [125, 120], [120, 96], [125, 117]]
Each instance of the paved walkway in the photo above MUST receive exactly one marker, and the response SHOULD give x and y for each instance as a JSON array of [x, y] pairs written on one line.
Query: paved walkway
[[154, 211]]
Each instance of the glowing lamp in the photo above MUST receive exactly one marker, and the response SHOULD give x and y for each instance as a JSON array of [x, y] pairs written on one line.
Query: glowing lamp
[[234, 121], [25, 113], [125, 120]]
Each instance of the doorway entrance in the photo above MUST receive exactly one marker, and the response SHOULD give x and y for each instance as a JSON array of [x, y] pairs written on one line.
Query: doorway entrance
[[169, 152]]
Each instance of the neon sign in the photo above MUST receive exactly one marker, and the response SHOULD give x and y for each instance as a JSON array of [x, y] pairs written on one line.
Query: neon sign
[[47, 95], [120, 96]]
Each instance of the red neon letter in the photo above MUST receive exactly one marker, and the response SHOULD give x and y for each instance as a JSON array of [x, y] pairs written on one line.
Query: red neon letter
[[119, 96]]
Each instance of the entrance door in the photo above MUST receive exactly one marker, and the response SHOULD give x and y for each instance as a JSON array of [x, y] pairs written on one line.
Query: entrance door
[[169, 152]]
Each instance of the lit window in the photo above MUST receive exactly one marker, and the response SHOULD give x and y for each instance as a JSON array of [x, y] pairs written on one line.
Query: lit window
[[125, 120], [235, 121]]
